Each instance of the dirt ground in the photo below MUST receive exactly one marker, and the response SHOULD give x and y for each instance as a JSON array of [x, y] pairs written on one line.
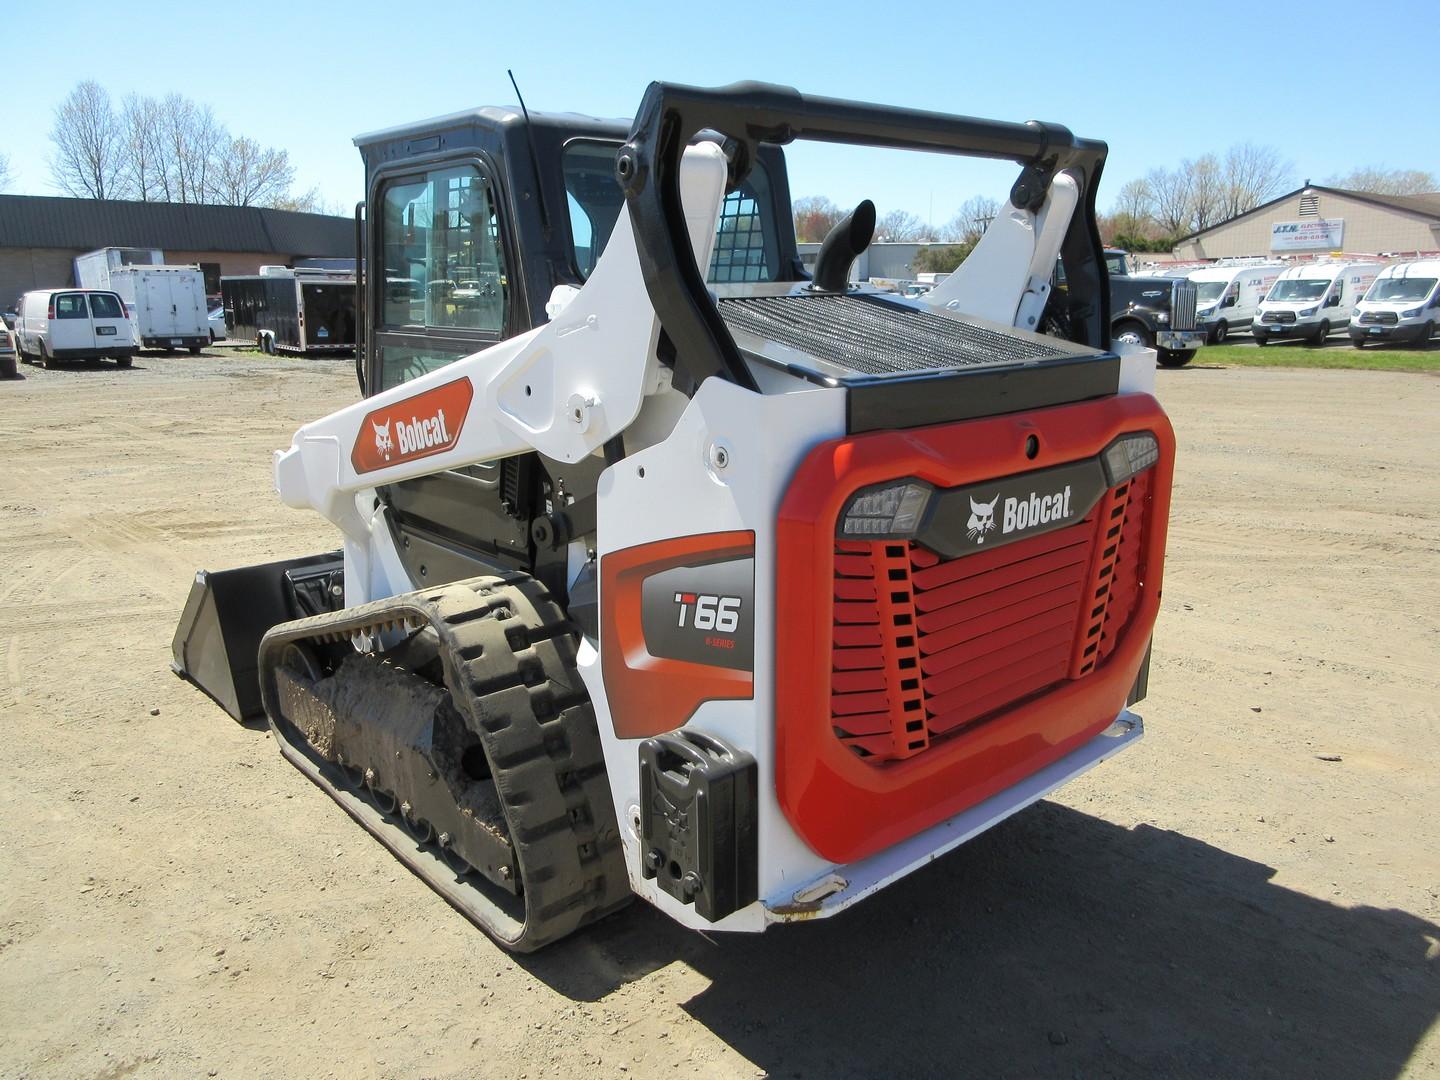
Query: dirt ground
[[1254, 890]]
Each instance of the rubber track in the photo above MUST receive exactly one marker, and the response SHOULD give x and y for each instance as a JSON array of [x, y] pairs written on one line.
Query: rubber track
[[508, 654]]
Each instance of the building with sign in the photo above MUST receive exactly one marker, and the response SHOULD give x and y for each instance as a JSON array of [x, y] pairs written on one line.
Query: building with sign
[[1316, 220]]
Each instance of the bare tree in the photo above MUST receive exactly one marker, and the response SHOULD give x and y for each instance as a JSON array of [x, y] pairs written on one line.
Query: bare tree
[[87, 144], [312, 201], [141, 162], [1207, 191], [1172, 205], [901, 227], [5, 174], [971, 220], [1383, 181], [249, 174], [815, 216], [165, 150], [1252, 175], [1135, 201], [177, 122]]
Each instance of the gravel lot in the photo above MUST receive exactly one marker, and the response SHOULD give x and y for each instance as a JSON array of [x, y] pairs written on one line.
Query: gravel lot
[[1253, 891]]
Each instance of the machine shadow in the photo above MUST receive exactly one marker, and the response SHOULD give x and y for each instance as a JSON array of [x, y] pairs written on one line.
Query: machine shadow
[[1056, 944]]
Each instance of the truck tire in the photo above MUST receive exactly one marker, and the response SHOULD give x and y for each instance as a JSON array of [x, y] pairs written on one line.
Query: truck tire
[[1260, 339], [1133, 333], [8, 368], [1220, 333], [48, 362], [195, 350], [1175, 358], [1322, 333], [1428, 336], [122, 361]]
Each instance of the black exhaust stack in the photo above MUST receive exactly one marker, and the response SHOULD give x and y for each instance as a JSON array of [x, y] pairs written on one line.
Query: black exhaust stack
[[842, 247]]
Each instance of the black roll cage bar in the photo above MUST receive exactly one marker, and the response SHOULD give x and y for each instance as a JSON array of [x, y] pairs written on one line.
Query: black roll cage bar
[[750, 113]]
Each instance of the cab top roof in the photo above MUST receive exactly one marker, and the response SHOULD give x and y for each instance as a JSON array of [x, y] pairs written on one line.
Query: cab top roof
[[499, 116]]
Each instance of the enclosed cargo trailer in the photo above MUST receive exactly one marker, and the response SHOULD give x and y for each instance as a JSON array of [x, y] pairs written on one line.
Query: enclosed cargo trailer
[[291, 311]]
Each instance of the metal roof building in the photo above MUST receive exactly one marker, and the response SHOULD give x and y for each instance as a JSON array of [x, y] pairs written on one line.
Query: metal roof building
[[41, 235], [1315, 219]]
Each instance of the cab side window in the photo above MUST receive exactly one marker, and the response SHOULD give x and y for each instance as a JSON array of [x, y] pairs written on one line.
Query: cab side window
[[444, 268], [440, 243], [747, 247]]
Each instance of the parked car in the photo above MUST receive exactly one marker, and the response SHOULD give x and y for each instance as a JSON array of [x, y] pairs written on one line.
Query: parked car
[[217, 324], [1227, 297], [73, 324], [1403, 304], [1311, 300], [8, 369]]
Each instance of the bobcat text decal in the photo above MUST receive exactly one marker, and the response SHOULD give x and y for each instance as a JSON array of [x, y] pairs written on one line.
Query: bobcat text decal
[[1020, 514], [415, 427]]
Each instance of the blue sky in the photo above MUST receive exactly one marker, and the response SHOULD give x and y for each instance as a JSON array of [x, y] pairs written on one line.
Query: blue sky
[[1158, 82]]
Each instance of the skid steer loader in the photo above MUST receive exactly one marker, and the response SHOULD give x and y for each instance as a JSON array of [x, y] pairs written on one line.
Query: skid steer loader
[[670, 569]]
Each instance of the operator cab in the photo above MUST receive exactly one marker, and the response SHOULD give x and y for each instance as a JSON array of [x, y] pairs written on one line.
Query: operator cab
[[471, 222]]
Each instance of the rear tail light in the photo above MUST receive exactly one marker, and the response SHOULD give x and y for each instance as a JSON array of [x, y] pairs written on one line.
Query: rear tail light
[[887, 511], [1128, 455], [50, 311]]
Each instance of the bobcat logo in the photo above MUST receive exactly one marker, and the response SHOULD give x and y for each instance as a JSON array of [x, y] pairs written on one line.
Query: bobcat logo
[[382, 439], [982, 519]]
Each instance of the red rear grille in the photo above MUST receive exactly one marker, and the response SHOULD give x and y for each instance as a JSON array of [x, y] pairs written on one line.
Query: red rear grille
[[926, 647]]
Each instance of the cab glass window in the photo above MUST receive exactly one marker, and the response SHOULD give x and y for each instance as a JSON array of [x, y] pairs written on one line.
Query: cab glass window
[[440, 244], [106, 306], [745, 249], [593, 199], [71, 306], [746, 244]]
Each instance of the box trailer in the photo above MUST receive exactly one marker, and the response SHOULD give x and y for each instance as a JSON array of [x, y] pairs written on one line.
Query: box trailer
[[166, 304], [291, 311], [92, 268]]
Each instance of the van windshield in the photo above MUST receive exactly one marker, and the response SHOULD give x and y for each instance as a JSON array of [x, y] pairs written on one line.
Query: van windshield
[[1206, 291], [1401, 289], [1299, 289]]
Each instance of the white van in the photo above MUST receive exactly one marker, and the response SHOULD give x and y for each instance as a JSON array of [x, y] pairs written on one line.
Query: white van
[[1311, 300], [1402, 305], [73, 324], [1227, 297]]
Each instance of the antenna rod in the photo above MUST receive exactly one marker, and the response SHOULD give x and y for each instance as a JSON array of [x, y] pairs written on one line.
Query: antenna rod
[[534, 157]]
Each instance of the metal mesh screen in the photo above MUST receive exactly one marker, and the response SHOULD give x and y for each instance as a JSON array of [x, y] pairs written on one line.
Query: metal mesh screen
[[875, 337], [739, 242]]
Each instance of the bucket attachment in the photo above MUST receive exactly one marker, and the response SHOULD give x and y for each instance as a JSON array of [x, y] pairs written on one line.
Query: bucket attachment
[[227, 613]]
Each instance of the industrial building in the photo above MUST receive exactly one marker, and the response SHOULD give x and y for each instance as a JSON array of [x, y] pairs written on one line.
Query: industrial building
[[882, 259], [1315, 220], [41, 235]]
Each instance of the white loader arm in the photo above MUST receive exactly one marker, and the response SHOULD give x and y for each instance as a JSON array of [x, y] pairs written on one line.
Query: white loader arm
[[1007, 277], [563, 389]]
